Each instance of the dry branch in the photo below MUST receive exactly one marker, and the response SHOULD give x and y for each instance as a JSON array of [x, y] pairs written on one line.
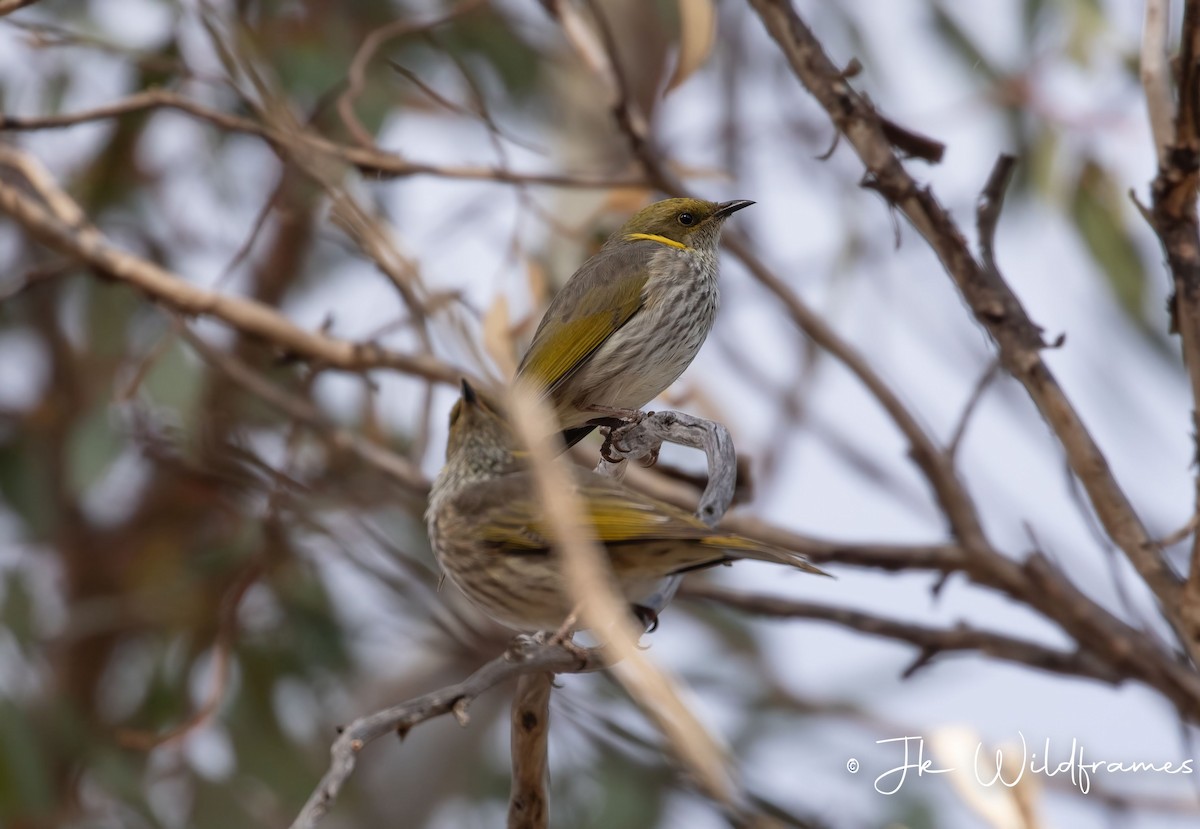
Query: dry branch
[[931, 641], [520, 660], [252, 318], [645, 437], [1173, 215], [379, 164], [356, 77], [10, 6], [302, 411], [528, 804], [1156, 77], [993, 303]]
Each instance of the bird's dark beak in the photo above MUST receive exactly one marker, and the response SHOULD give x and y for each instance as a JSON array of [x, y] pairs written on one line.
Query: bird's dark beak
[[730, 207], [468, 393]]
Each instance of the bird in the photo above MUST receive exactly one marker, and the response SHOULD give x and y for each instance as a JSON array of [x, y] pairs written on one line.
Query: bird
[[632, 318], [492, 539]]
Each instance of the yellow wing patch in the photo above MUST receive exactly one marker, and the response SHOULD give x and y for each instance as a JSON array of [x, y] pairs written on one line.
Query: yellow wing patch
[[551, 361], [600, 298]]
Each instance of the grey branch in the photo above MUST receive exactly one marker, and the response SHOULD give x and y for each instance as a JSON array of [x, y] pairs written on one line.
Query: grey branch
[[526, 657], [644, 438]]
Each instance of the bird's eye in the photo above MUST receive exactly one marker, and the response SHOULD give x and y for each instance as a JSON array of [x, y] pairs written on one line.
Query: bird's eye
[[687, 219]]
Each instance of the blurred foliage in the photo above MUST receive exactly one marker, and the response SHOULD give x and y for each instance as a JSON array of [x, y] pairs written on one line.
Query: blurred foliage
[[1099, 207]]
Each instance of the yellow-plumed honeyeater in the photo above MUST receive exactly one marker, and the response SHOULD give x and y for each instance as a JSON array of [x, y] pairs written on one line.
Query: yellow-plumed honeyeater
[[491, 537], [633, 317]]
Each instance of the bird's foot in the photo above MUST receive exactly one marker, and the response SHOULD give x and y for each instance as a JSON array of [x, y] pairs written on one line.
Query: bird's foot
[[607, 449], [523, 646], [563, 638], [613, 451]]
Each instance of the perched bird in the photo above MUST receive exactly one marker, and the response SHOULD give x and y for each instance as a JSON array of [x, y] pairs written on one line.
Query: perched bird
[[633, 317], [492, 539]]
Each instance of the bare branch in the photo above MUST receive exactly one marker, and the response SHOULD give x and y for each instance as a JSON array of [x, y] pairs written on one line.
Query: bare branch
[[379, 164], [1125, 648], [987, 213], [529, 804], [995, 306], [518, 661], [356, 78], [222, 650], [931, 641], [1156, 76], [10, 6], [1189, 527], [1173, 216], [249, 317], [969, 409], [643, 439], [300, 410]]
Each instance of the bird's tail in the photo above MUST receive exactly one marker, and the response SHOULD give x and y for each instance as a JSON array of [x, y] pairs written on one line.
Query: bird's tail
[[742, 547]]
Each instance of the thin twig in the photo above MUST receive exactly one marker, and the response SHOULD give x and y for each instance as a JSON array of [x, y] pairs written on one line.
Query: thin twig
[[301, 411], [643, 438], [379, 164], [222, 650], [10, 6], [356, 77], [249, 317], [1018, 340], [456, 699], [1173, 538], [981, 386]]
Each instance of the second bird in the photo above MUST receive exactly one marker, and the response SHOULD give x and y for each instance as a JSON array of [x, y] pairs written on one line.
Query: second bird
[[633, 317]]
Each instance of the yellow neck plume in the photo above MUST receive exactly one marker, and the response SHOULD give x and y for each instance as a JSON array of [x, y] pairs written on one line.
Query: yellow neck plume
[[654, 237]]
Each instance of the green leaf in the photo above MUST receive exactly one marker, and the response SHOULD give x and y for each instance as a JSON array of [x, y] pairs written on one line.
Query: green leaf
[[91, 449], [1097, 209], [26, 789], [25, 485], [17, 609], [957, 39]]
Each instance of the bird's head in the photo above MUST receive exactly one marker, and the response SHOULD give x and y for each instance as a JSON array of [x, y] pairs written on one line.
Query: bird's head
[[479, 433], [687, 223]]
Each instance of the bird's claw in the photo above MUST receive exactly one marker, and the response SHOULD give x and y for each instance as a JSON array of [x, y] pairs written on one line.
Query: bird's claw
[[608, 448], [647, 617]]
